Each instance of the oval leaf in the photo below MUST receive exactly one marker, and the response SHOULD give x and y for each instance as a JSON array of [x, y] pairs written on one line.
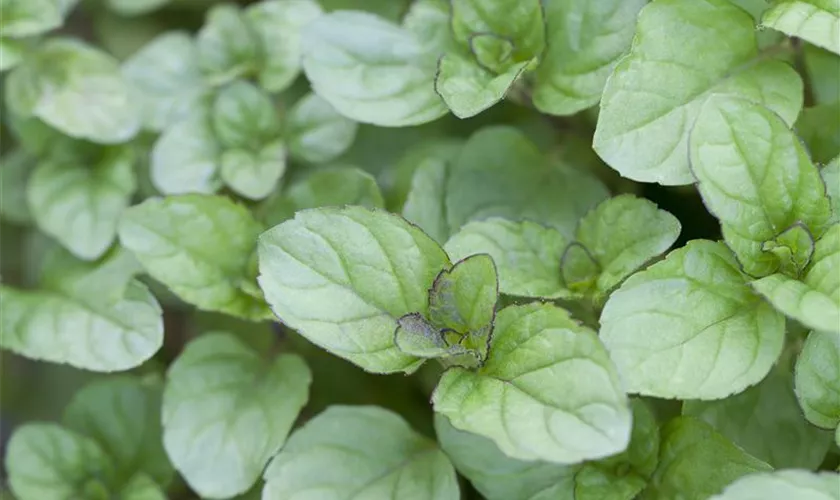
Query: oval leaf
[[818, 379], [816, 21], [316, 132], [783, 485]]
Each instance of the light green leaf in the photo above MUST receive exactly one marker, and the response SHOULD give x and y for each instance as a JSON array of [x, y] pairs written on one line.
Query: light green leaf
[[654, 94], [142, 487], [24, 18], [226, 412], [425, 203], [371, 70], [136, 7], [228, 46], [342, 277], [517, 182], [16, 169], [815, 300], [816, 21], [548, 390], [794, 248], [697, 462], [80, 204], [820, 130], [464, 298], [415, 336], [585, 40], [756, 178], [278, 25], [578, 269], [90, 316], [521, 23], [316, 132], [199, 247], [527, 255], [690, 327], [765, 420], [623, 233], [166, 79], [48, 462], [359, 452], [123, 416], [817, 379], [784, 485], [12, 52], [76, 89], [467, 88], [185, 158], [831, 176], [254, 176], [244, 116]]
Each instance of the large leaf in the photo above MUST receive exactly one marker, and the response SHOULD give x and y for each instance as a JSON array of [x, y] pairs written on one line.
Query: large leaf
[[371, 70], [585, 40], [783, 485], [343, 277], [654, 94], [226, 412], [818, 379], [548, 390], [316, 132], [756, 177], [359, 452], [690, 327], [816, 21], [199, 247]]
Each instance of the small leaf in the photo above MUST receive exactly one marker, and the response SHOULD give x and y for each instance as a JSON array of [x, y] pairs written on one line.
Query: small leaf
[[697, 462], [24, 18], [342, 277], [654, 94], [76, 89], [278, 25], [831, 176], [815, 300], [254, 176], [816, 21], [371, 70], [793, 247], [136, 7], [765, 420], [820, 131], [624, 233], [464, 298], [360, 451], [417, 337], [166, 79], [818, 379], [244, 117], [123, 417], [756, 178], [690, 327], [199, 247], [228, 46], [585, 40], [80, 204], [425, 203], [185, 158], [226, 412], [578, 269], [316, 132], [548, 390], [520, 22], [527, 255], [783, 485]]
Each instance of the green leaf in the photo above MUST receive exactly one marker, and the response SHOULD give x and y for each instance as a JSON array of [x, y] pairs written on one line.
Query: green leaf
[[371, 70], [136, 7], [80, 204], [199, 247], [817, 379], [254, 176], [185, 158], [228, 46], [166, 79], [654, 94], [520, 22], [623, 233], [24, 18], [91, 316], [463, 298], [16, 169], [468, 88], [783, 485], [527, 255], [342, 277], [76, 89], [831, 176], [756, 178], [244, 116], [766, 422], [316, 132], [48, 462], [425, 203], [579, 270], [517, 182], [123, 416], [362, 452], [12, 52], [815, 300], [585, 40], [794, 248], [696, 462], [690, 327], [415, 336], [820, 130], [548, 390], [278, 25], [226, 412], [816, 21], [822, 66]]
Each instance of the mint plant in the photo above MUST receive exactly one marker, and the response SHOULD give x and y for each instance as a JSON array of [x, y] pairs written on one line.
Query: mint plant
[[426, 249]]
